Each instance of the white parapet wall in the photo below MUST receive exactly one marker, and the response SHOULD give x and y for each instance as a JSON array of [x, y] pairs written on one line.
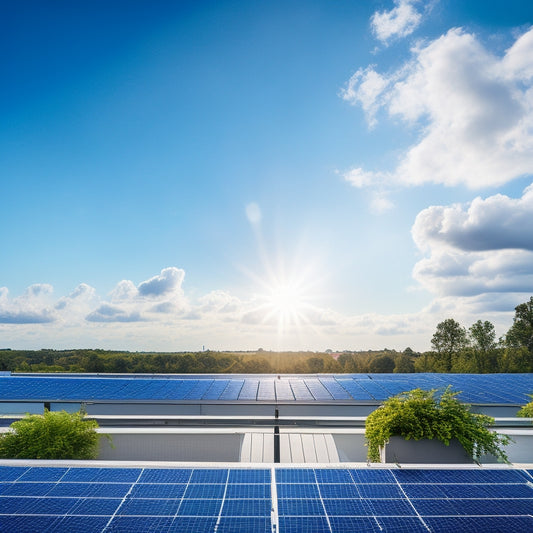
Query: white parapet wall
[[170, 444]]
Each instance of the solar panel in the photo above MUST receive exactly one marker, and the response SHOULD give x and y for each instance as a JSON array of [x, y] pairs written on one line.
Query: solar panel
[[332, 500], [474, 388]]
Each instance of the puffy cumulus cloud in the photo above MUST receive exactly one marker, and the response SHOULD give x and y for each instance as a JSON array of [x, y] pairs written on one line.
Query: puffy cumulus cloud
[[400, 21], [83, 295], [474, 109], [168, 282], [457, 273], [158, 295], [32, 307], [482, 248], [495, 223], [112, 313]]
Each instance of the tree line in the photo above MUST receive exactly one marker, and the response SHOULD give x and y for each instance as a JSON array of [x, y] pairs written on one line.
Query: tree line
[[455, 348]]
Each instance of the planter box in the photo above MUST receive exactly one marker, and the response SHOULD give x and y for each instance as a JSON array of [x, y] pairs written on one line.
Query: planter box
[[399, 450]]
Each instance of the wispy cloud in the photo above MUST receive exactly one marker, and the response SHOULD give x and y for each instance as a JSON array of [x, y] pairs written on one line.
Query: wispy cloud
[[398, 22]]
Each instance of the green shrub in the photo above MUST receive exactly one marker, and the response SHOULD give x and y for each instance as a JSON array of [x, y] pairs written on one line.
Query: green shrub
[[527, 410], [53, 435], [420, 414]]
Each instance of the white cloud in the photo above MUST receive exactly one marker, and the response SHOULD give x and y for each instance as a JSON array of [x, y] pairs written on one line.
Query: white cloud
[[400, 21], [32, 307], [481, 248], [364, 88], [169, 281], [474, 110], [159, 295], [494, 223]]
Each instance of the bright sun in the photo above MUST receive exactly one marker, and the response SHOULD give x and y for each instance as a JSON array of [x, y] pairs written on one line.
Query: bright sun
[[287, 302]]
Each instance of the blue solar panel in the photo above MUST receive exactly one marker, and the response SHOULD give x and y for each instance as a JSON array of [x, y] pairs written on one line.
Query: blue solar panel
[[209, 491], [43, 474], [304, 524], [209, 475], [26, 489], [354, 389], [404, 524], [248, 491], [116, 475], [246, 507], [142, 524], [300, 390], [283, 390], [339, 490], [232, 391], [165, 475], [295, 475], [482, 389], [298, 490], [216, 389], [335, 389], [267, 391], [300, 507], [254, 524], [166, 490], [249, 389], [249, 476], [232, 500], [494, 524], [318, 390], [200, 507]]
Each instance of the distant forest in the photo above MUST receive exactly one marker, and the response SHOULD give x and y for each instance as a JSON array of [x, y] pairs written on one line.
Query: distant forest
[[454, 349]]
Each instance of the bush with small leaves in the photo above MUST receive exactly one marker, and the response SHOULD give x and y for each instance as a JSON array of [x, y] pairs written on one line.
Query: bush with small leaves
[[527, 410], [420, 414], [52, 435]]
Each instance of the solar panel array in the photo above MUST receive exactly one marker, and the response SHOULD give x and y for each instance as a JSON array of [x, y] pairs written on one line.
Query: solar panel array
[[284, 500], [475, 388]]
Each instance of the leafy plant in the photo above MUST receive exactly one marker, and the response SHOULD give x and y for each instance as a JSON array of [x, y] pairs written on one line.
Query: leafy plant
[[527, 410], [53, 435], [421, 414]]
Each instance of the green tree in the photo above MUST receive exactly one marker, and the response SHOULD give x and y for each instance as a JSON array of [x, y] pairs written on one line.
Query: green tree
[[53, 435], [403, 364], [447, 341], [521, 332], [483, 340], [382, 364], [315, 365]]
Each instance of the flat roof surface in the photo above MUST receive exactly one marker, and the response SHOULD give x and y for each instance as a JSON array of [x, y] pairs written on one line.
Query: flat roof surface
[[264, 500], [484, 389]]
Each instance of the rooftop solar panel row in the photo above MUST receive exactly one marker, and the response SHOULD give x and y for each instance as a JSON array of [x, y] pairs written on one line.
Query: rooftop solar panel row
[[481, 389], [220, 499]]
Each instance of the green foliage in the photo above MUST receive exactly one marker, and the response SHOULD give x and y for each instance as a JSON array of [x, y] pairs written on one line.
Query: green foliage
[[53, 435], [447, 341], [527, 410], [420, 414]]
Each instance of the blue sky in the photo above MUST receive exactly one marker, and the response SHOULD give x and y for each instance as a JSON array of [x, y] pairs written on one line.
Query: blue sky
[[285, 175]]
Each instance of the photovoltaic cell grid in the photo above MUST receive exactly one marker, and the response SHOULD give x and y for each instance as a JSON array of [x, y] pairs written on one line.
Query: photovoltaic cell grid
[[404, 500], [103, 500], [473, 388]]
